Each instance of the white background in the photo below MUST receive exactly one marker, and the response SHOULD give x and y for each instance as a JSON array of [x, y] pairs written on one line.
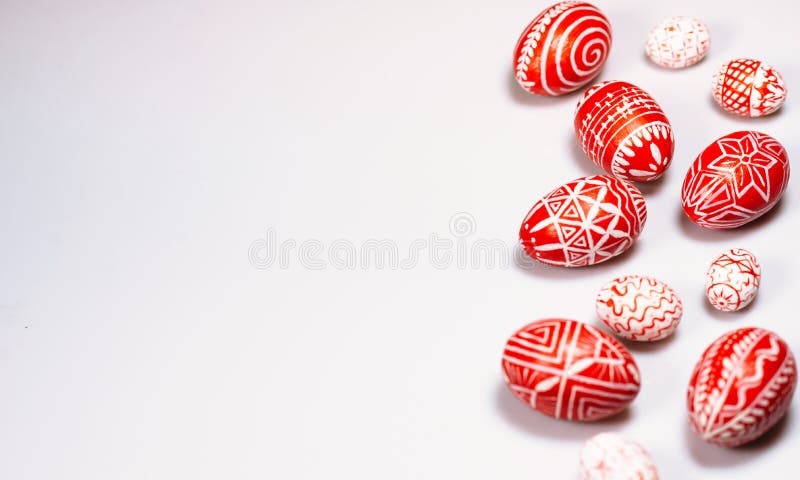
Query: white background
[[144, 145]]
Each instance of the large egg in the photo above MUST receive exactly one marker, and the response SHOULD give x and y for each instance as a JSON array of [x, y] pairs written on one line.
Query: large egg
[[733, 279], [624, 131], [611, 456], [562, 49], [735, 180], [570, 370], [741, 387], [584, 222], [639, 308], [749, 88]]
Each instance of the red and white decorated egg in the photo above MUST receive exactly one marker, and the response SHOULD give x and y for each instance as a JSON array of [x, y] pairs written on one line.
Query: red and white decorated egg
[[624, 131], [735, 180], [611, 456], [639, 308], [732, 280], [748, 87], [678, 42], [570, 370], [741, 387], [562, 49], [584, 222]]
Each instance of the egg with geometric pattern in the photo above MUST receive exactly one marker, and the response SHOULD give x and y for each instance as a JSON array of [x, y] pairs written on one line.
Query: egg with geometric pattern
[[736, 179], [584, 222], [678, 42], [570, 370]]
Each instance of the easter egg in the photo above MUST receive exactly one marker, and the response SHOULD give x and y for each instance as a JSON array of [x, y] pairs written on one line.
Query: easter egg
[[735, 180], [750, 88], [562, 49], [639, 308], [611, 456], [732, 280], [741, 387], [570, 370], [624, 131], [584, 222], [678, 42]]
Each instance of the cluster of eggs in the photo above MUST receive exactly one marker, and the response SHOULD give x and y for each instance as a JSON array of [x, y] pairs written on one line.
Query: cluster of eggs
[[744, 381]]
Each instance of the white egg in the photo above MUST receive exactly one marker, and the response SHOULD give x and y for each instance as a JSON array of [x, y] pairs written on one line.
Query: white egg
[[611, 456], [639, 308], [678, 42], [733, 279]]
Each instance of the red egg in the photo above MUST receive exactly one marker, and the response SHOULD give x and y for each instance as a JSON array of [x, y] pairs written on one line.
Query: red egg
[[624, 131], [748, 87], [741, 387], [735, 180], [562, 49], [584, 222], [570, 370]]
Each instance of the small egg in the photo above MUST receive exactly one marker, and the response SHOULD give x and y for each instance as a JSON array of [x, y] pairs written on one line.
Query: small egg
[[611, 456], [639, 308], [678, 42], [732, 280], [749, 88]]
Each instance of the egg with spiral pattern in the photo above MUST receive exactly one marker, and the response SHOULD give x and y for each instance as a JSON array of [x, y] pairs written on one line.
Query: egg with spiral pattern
[[562, 49]]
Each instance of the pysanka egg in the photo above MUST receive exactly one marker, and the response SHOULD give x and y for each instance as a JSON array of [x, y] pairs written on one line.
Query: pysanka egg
[[624, 131], [562, 49], [750, 88], [584, 222], [732, 280], [570, 370], [735, 180], [611, 456], [678, 42], [741, 387], [639, 308]]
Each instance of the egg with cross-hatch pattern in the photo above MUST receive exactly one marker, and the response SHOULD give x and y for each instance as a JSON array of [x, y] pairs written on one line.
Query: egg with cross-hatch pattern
[[749, 88]]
